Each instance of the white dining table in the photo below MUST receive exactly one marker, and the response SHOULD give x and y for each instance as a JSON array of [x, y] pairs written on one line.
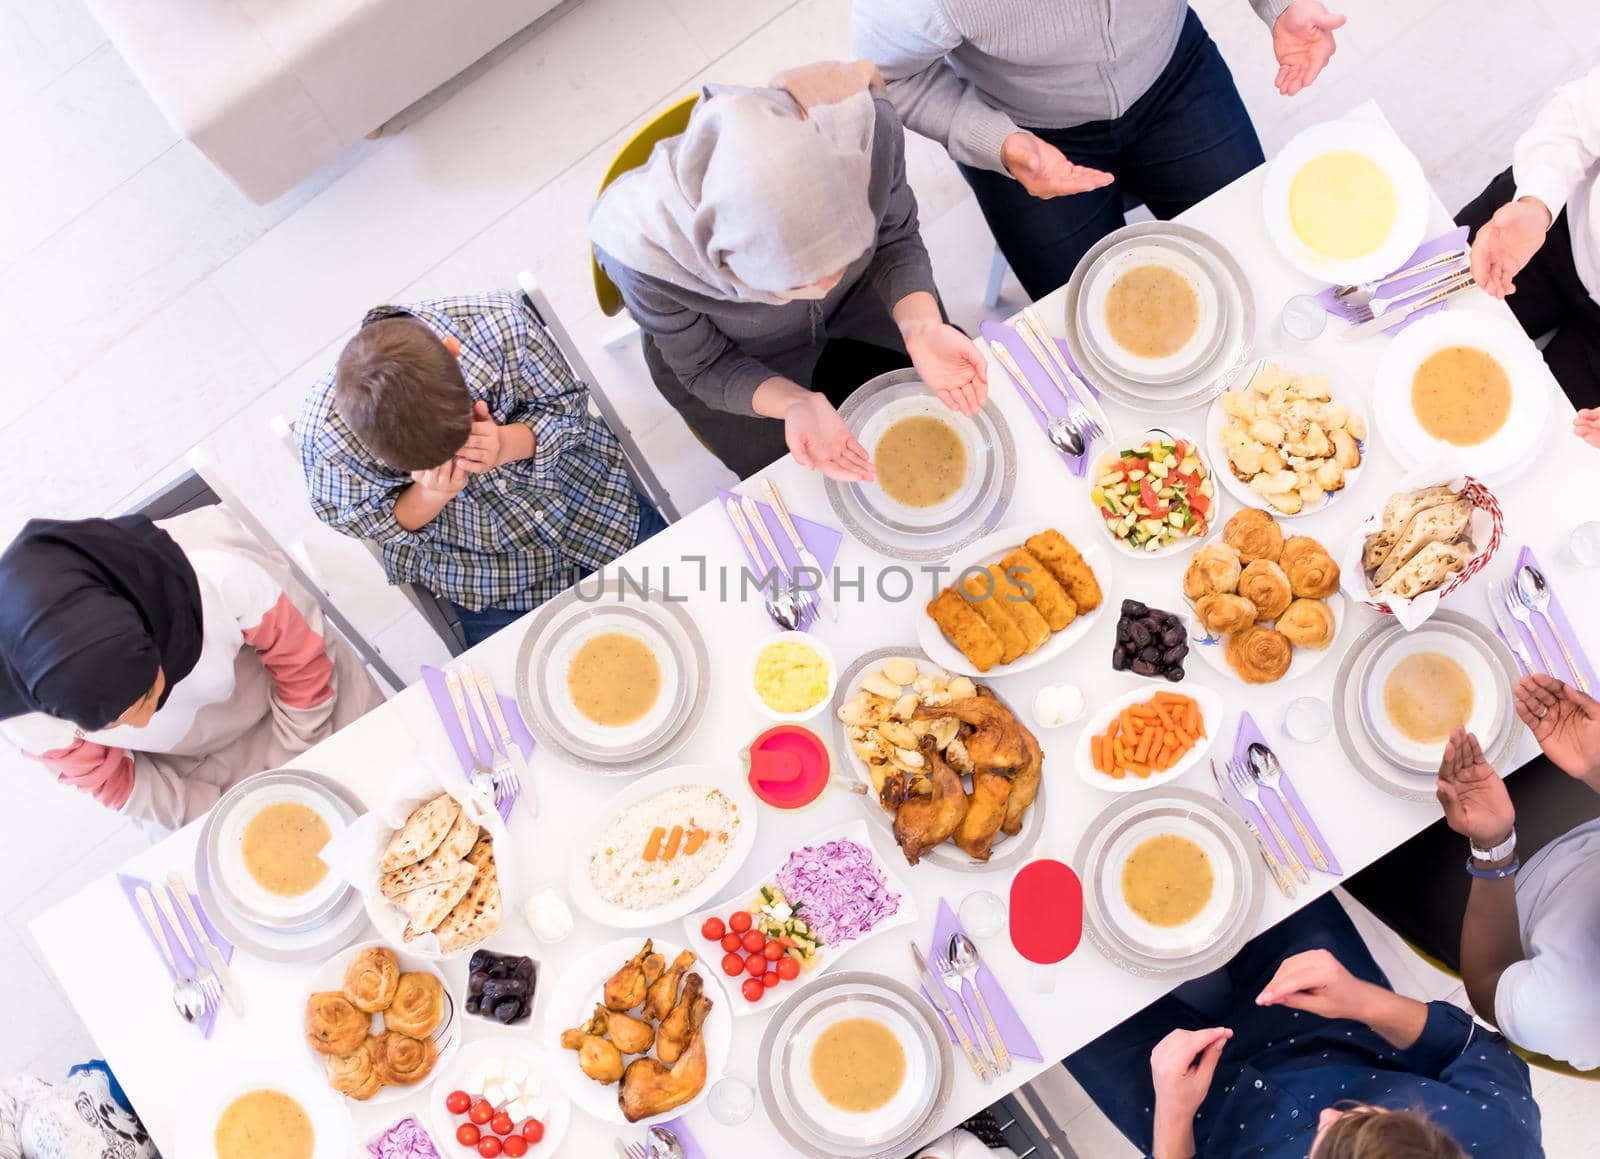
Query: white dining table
[[114, 979]]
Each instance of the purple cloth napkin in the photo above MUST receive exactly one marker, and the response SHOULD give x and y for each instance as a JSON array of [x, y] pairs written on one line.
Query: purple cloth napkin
[[691, 1145], [1043, 386], [1012, 1029], [1454, 239], [823, 541], [1250, 734], [1547, 637], [129, 883], [434, 679]]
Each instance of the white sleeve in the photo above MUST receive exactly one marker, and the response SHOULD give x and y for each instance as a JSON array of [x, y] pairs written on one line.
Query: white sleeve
[[1530, 1010], [1553, 156], [36, 733]]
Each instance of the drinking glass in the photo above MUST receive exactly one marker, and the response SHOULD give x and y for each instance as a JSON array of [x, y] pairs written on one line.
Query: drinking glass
[[1303, 318], [1307, 719], [731, 1101], [982, 913], [1583, 545]]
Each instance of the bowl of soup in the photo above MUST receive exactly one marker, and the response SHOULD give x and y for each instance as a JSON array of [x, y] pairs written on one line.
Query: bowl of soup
[[1167, 884], [261, 1109], [929, 461], [612, 680], [1150, 311], [271, 831], [1424, 684], [1345, 201]]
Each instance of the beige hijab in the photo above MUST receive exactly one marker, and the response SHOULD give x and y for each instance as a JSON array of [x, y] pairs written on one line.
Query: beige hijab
[[750, 202]]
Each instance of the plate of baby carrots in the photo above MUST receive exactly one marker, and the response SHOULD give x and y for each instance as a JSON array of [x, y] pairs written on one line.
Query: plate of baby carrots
[[1147, 737]]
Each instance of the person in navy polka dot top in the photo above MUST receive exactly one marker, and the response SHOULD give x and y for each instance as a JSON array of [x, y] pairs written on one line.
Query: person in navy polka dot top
[[1299, 1047]]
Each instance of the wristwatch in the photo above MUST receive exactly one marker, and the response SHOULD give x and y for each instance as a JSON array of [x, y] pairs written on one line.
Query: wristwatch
[[1498, 852]]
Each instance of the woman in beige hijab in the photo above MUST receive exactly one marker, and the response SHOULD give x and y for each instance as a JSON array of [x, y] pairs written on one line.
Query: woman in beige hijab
[[771, 255]]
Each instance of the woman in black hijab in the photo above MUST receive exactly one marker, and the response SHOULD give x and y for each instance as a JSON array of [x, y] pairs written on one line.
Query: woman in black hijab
[[152, 666]]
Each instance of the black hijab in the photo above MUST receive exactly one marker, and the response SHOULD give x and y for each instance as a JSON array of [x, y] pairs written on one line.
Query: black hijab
[[89, 608]]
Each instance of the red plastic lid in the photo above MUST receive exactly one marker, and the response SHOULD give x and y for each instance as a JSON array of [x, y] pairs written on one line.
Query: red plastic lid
[[1046, 911], [788, 766]]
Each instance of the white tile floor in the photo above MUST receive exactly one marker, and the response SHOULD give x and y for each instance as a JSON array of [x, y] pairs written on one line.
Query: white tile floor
[[145, 306]]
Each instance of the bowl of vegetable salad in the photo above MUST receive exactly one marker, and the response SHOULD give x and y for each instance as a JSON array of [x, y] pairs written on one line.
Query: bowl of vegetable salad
[[1155, 494]]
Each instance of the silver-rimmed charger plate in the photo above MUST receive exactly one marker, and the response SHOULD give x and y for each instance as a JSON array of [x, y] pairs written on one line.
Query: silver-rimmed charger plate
[[336, 929], [671, 620], [1348, 720], [1236, 302], [980, 512], [1376, 652], [779, 1064], [1243, 870], [1007, 853], [1102, 268]]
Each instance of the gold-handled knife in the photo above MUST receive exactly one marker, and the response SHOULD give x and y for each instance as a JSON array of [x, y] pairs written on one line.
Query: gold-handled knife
[[935, 989], [1280, 875], [219, 964]]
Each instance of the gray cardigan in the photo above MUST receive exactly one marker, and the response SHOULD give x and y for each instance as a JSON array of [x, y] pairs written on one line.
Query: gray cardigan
[[721, 351], [968, 72]]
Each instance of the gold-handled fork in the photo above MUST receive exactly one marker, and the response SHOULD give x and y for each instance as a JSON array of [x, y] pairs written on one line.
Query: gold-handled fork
[[1244, 784]]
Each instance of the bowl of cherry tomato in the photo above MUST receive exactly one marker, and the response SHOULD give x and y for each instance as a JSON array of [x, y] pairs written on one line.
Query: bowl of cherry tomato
[[766, 960]]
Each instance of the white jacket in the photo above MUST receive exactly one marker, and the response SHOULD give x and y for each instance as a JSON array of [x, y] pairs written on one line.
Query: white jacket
[[1558, 161]]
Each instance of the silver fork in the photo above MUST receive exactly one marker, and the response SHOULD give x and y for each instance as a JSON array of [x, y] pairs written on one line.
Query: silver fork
[[637, 1151], [502, 776], [482, 777], [1519, 613], [204, 976], [511, 778], [1376, 307], [1244, 784], [1044, 350]]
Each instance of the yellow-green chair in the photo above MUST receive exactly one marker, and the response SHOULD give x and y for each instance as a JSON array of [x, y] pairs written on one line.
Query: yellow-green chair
[[1542, 1061], [668, 123]]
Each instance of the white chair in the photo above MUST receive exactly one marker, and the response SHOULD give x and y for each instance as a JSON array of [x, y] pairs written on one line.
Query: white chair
[[203, 486]]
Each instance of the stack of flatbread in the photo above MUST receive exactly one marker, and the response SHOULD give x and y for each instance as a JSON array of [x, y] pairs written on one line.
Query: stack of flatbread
[[1425, 539], [439, 869]]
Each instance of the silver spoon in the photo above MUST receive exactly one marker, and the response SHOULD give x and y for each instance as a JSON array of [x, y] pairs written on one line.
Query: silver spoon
[[664, 1144], [965, 961], [186, 996], [1267, 769], [1534, 592]]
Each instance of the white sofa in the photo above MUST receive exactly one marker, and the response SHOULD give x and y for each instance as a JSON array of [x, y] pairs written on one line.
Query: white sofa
[[272, 89]]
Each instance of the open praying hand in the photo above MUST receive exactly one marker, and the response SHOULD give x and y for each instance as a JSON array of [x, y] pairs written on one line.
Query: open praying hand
[[1587, 426], [1476, 803], [1302, 40], [1565, 722], [1506, 243]]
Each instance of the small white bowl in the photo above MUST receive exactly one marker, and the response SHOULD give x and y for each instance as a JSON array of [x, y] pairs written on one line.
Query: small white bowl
[[1110, 451], [816, 646], [1211, 712]]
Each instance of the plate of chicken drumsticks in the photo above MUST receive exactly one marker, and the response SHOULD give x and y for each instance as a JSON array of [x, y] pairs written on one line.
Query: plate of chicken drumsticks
[[645, 1030], [950, 770]]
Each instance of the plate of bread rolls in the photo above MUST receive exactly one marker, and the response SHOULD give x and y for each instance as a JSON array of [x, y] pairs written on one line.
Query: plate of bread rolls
[[1266, 607], [1016, 601]]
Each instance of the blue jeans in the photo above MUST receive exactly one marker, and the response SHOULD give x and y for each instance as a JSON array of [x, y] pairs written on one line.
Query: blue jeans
[[1180, 142], [1115, 1068], [480, 625]]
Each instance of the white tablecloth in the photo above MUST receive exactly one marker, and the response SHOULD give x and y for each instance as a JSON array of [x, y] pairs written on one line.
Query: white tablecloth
[[115, 980]]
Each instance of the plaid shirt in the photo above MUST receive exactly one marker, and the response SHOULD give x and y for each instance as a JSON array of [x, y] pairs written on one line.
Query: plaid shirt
[[517, 535]]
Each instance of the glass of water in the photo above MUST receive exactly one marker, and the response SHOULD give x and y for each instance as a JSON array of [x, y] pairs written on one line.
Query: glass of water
[[1307, 719], [1303, 318], [982, 913], [731, 1101], [1583, 545]]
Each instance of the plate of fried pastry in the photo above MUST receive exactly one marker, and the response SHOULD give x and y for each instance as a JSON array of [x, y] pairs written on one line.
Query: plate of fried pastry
[[379, 1021], [1018, 601], [1266, 607]]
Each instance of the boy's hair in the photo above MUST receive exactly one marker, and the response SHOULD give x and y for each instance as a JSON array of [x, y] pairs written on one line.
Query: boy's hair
[[402, 393], [1371, 1133]]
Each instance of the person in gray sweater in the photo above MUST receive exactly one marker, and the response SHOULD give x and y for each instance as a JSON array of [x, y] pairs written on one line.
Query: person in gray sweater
[[771, 255], [1056, 111]]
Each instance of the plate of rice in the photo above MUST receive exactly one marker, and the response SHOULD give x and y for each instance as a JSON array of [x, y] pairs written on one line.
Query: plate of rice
[[665, 846]]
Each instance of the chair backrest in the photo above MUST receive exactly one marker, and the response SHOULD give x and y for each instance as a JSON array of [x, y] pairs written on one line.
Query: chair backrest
[[668, 123], [201, 486], [434, 609], [645, 480]]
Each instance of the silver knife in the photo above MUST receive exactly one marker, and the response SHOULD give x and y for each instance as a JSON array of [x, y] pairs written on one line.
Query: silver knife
[[1508, 631], [935, 990], [1393, 318], [497, 714], [219, 964], [752, 515], [807, 559]]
